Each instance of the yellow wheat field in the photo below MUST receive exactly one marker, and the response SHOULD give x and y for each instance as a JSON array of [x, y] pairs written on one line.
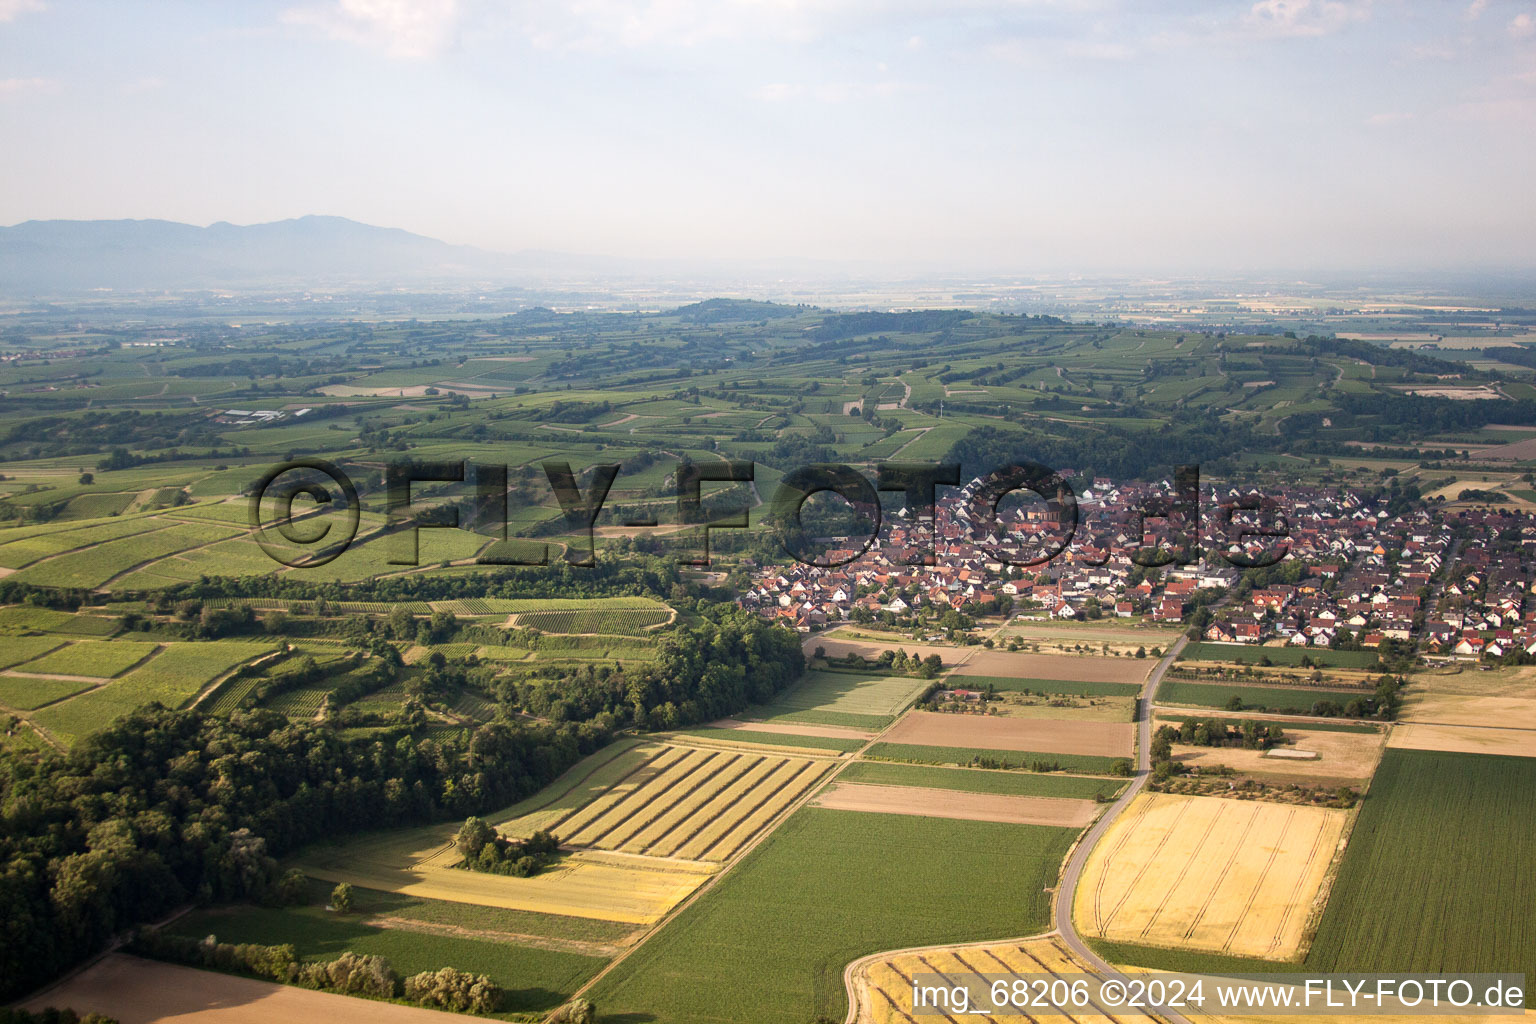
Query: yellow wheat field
[[639, 840], [1228, 876], [690, 802], [583, 884], [883, 988]]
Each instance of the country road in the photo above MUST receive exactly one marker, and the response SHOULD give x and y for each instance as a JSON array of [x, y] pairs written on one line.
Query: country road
[[1066, 888]]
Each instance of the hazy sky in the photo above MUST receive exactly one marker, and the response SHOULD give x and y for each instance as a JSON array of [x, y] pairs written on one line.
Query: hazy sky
[[1012, 135]]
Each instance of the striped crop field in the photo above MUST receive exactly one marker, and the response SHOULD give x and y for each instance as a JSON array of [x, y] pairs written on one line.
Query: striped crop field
[[685, 802]]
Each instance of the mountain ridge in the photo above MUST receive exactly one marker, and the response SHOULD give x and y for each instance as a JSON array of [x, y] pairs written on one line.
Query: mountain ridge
[[154, 254]]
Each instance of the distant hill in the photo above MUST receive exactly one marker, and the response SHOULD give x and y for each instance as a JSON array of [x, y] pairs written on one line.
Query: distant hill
[[54, 256]]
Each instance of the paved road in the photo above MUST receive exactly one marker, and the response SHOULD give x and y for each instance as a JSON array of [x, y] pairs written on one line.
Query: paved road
[[1066, 888]]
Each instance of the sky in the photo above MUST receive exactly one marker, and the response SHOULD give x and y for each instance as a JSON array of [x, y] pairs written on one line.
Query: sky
[[970, 136]]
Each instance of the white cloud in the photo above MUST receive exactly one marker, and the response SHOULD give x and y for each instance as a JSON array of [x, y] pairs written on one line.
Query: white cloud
[[1099, 51], [409, 29], [10, 87], [1476, 8], [827, 92], [1306, 17], [1522, 25], [9, 9]]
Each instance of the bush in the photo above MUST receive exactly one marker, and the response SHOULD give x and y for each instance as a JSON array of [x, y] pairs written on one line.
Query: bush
[[51, 1016], [361, 974], [450, 989], [341, 898], [274, 963], [577, 1011]]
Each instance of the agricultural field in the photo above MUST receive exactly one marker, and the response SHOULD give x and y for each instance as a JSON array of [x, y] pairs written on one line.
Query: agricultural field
[[684, 802], [1271, 699], [1341, 757], [1464, 739], [1504, 696], [136, 991], [919, 753], [23, 694], [883, 986], [1242, 878], [1436, 876], [969, 780], [851, 699], [949, 803], [101, 659], [534, 978], [1005, 684], [420, 863], [996, 732], [618, 621], [15, 650], [172, 677], [769, 943], [1103, 637], [1066, 668], [1250, 654], [786, 739], [27, 620], [1062, 707]]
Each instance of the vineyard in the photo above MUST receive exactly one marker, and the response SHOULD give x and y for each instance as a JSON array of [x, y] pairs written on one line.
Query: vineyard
[[100, 659], [617, 621], [172, 677]]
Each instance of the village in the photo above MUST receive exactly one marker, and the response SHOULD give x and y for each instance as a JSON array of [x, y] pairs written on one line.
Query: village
[[1351, 574]]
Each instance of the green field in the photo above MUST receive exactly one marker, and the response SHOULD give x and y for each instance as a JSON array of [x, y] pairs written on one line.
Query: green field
[[769, 943], [1186, 961], [1062, 686], [914, 753], [1253, 655], [969, 780], [1259, 698], [1438, 873], [875, 697], [1358, 727], [534, 979]]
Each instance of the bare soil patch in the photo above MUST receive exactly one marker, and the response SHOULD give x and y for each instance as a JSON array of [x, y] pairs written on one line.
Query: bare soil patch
[[1343, 758], [945, 803], [1042, 736], [1465, 739], [136, 991], [1504, 697]]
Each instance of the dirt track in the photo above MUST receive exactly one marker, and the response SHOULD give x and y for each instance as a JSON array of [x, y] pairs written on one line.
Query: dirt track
[[138, 991]]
